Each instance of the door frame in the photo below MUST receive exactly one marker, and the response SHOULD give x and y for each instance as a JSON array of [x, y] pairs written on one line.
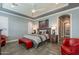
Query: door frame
[[70, 25]]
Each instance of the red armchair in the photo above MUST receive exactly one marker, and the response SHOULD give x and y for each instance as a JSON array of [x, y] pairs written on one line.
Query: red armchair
[[70, 46], [3, 40]]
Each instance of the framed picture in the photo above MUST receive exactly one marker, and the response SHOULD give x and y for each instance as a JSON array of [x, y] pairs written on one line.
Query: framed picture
[[43, 24]]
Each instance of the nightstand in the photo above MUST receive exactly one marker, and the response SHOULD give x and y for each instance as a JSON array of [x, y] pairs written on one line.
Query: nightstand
[[54, 39]]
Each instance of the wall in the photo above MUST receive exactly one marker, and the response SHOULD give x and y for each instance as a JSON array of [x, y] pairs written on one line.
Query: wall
[[74, 13], [30, 24], [17, 26], [75, 23]]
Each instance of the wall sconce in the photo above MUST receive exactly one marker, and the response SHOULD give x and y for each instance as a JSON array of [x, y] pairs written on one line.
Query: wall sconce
[[34, 27], [53, 27], [53, 30]]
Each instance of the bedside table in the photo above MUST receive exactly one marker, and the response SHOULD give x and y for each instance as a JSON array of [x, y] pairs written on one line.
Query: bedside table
[[54, 39]]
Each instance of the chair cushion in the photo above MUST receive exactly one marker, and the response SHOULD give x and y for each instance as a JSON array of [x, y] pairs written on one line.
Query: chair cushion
[[72, 48], [74, 41], [66, 50], [1, 41], [3, 37], [66, 41]]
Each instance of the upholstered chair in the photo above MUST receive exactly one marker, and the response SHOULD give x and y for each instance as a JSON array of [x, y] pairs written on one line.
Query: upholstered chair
[[70, 46]]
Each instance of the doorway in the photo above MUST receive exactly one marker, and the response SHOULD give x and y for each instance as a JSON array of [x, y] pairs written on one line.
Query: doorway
[[64, 27]]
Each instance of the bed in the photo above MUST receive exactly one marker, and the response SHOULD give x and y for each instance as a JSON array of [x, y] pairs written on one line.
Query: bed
[[38, 38]]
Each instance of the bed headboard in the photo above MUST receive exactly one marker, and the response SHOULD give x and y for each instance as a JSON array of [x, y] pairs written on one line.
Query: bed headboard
[[45, 30]]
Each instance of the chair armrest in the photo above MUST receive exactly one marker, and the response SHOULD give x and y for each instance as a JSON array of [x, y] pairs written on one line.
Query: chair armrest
[[75, 48], [77, 44]]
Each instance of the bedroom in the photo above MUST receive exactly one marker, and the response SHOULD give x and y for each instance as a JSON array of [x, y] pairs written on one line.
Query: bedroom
[[21, 24]]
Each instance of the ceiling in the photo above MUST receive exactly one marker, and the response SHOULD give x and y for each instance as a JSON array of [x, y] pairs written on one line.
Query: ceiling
[[27, 8]]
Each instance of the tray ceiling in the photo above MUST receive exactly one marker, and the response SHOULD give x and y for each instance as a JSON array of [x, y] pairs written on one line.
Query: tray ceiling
[[33, 9]]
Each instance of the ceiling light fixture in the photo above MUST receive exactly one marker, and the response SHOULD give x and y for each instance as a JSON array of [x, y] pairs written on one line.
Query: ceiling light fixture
[[57, 3], [33, 10]]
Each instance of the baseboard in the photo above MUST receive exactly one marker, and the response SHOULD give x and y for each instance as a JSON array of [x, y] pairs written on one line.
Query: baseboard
[[12, 41]]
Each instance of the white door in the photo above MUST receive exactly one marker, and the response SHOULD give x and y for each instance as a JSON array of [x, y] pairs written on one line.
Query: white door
[[4, 25]]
